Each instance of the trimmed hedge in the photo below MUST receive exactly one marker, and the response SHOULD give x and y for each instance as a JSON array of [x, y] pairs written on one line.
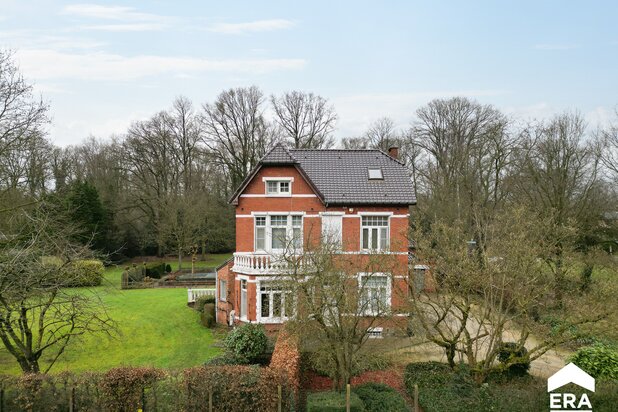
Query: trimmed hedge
[[233, 389], [154, 270], [379, 397], [333, 401], [86, 273], [207, 316], [203, 300]]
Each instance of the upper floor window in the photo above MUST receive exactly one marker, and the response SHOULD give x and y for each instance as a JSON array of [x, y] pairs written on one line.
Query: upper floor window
[[278, 232], [374, 233], [278, 187]]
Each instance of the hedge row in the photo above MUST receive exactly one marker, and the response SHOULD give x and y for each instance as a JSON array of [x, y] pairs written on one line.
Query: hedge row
[[230, 388], [443, 389]]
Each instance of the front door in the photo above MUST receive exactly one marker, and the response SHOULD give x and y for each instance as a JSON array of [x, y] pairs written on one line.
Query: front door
[[243, 299]]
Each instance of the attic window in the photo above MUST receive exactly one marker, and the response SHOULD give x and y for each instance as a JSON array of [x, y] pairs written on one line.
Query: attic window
[[375, 173]]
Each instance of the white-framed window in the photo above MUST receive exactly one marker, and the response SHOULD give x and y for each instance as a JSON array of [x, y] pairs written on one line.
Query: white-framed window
[[374, 232], [275, 303], [260, 232], [277, 232], [278, 187], [332, 229], [222, 290], [374, 333], [375, 293]]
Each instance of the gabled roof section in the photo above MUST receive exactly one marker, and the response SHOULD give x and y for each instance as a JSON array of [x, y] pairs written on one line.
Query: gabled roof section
[[278, 155], [341, 177]]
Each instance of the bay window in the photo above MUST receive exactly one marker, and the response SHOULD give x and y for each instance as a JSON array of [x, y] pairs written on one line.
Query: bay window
[[374, 233], [275, 303]]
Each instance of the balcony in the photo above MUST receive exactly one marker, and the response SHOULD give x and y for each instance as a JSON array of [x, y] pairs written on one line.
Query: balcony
[[258, 263]]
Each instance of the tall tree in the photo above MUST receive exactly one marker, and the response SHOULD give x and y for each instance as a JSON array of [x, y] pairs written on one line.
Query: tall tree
[[236, 131], [307, 120], [382, 134], [557, 177], [467, 149]]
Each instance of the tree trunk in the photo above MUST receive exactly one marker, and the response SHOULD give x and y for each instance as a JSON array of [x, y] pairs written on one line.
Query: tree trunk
[[179, 259]]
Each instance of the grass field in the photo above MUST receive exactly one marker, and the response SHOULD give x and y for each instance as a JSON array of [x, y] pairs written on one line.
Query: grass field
[[156, 328]]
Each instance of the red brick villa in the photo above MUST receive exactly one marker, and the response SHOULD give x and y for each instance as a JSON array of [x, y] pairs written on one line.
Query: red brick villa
[[362, 196]]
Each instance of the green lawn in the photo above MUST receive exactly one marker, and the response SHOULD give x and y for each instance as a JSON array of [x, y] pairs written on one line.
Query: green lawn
[[156, 328]]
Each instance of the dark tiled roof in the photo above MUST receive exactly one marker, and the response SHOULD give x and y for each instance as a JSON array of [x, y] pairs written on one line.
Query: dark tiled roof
[[341, 176]]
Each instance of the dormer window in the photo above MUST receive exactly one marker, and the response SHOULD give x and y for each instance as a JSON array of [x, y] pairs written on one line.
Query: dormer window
[[278, 186], [375, 173]]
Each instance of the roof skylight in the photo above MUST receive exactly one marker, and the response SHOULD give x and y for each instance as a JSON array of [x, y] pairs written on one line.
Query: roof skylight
[[375, 173]]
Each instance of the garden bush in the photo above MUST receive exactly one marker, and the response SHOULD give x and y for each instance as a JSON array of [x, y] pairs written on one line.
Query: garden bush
[[378, 397], [86, 273], [207, 316], [426, 375], [600, 361], [203, 300], [247, 342], [154, 269], [333, 401], [516, 357], [168, 268], [235, 388], [123, 386], [321, 363]]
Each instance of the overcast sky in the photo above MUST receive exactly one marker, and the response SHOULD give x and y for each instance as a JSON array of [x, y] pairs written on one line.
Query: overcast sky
[[103, 65]]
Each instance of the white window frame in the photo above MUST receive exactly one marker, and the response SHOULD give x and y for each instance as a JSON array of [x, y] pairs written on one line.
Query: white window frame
[[279, 181], [370, 234], [338, 236], [268, 238], [362, 287], [275, 290], [222, 290], [375, 168]]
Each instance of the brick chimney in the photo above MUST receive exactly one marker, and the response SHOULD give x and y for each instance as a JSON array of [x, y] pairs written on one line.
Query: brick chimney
[[393, 152]]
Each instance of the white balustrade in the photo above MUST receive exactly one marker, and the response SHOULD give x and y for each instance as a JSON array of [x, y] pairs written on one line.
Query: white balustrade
[[194, 294], [258, 263]]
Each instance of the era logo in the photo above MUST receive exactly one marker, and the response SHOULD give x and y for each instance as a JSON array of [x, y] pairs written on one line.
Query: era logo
[[569, 401]]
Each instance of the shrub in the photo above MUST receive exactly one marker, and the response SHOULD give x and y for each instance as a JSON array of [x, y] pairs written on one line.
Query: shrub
[[515, 358], [207, 316], [86, 273], [154, 269], [333, 401], [247, 342], [235, 388], [203, 300], [168, 268], [426, 375], [123, 386], [379, 397], [321, 362], [227, 358], [599, 360]]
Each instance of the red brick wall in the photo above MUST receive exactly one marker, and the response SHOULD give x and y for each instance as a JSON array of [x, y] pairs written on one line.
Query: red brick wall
[[311, 206]]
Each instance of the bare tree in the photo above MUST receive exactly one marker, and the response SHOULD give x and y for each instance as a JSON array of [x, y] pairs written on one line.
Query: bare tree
[[466, 149], [38, 313], [355, 143], [307, 120], [608, 140], [236, 132], [479, 306], [21, 115], [382, 134], [557, 176], [339, 299]]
